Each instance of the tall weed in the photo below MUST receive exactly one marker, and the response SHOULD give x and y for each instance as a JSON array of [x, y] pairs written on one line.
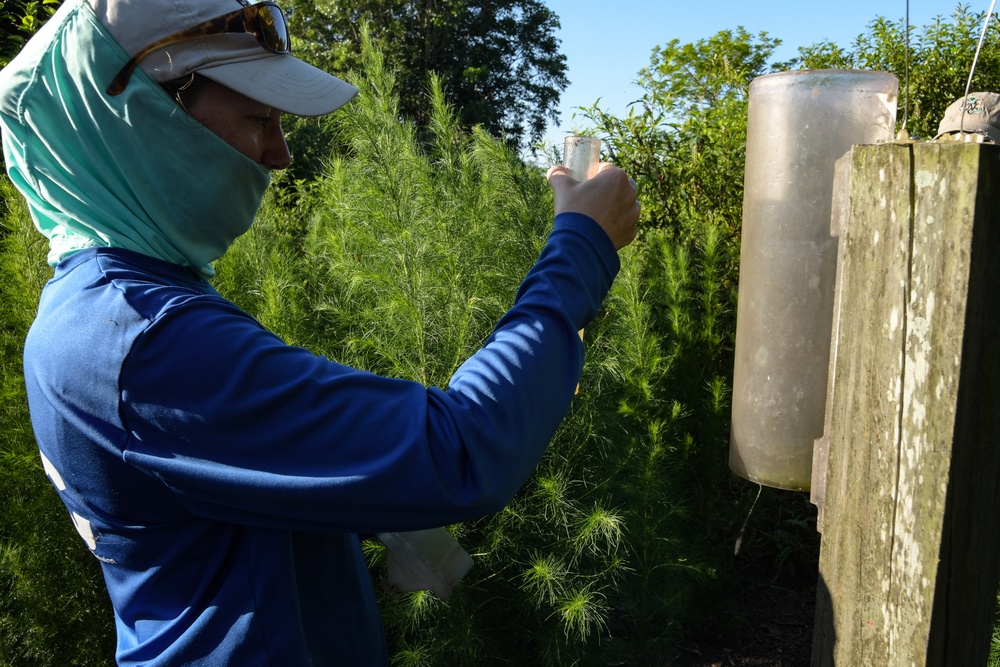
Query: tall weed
[[53, 607], [264, 272], [415, 252], [994, 659], [411, 253]]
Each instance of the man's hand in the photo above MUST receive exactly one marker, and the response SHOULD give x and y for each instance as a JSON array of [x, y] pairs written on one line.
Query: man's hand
[[609, 198]]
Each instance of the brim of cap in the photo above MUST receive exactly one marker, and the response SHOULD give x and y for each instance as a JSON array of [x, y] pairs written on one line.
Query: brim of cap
[[285, 83], [971, 127]]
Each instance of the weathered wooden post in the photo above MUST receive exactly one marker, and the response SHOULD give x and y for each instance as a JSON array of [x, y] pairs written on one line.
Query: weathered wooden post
[[910, 556]]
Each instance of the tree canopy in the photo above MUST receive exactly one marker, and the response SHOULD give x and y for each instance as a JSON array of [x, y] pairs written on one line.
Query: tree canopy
[[498, 60], [684, 139], [940, 59]]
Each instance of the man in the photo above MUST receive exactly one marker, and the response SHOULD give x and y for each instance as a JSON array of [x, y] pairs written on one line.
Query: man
[[220, 476]]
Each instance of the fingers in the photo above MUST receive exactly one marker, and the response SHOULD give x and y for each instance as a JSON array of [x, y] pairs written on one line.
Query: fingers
[[610, 198], [557, 169]]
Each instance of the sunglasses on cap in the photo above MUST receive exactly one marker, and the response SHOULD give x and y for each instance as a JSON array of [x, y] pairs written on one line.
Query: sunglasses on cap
[[263, 20]]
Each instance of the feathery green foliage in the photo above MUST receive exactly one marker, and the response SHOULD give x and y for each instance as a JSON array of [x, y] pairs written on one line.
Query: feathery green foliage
[[415, 253], [412, 252], [53, 606], [413, 256], [399, 260], [264, 273], [994, 659], [684, 142]]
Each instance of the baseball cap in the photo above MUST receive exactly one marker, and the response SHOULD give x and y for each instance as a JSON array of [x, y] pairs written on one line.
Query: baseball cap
[[977, 113], [235, 60]]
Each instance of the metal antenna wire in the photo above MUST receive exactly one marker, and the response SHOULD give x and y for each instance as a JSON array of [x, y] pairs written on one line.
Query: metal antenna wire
[[975, 59], [906, 72]]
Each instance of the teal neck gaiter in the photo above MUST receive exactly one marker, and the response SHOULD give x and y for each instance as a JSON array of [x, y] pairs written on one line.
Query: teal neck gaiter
[[133, 171]]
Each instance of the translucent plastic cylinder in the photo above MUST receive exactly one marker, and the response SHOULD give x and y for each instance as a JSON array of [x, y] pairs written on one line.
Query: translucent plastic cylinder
[[581, 155], [798, 125]]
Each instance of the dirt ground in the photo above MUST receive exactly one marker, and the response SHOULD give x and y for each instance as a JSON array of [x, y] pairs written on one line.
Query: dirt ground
[[771, 626], [774, 629], [764, 616]]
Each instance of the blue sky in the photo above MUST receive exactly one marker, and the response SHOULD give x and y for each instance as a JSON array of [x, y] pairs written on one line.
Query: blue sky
[[607, 43]]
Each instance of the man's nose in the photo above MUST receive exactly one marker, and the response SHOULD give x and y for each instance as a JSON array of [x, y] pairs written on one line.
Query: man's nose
[[276, 154]]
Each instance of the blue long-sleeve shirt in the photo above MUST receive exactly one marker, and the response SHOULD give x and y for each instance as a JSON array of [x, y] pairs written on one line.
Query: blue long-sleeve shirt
[[221, 476]]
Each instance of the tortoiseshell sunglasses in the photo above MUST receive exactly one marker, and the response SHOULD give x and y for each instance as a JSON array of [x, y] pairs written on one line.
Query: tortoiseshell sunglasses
[[263, 20]]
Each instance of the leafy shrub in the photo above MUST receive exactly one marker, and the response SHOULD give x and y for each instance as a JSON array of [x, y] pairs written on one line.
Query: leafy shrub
[[19, 20], [940, 62]]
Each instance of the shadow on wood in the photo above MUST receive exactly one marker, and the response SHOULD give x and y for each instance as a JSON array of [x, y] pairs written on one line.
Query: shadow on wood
[[910, 556]]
